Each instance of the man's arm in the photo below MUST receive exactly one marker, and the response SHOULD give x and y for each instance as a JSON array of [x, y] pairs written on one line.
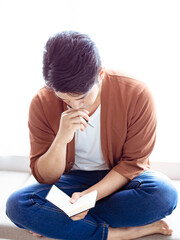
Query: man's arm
[[112, 182], [51, 164]]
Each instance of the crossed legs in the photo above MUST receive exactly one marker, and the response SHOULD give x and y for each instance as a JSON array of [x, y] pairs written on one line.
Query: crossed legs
[[133, 212]]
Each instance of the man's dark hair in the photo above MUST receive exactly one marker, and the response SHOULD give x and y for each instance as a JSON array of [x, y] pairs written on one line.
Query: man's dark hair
[[71, 63]]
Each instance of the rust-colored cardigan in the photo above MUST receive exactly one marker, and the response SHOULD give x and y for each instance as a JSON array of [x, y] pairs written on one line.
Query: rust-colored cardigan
[[128, 125]]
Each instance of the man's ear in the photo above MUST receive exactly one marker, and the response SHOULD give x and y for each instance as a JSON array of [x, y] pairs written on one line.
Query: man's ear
[[101, 74]]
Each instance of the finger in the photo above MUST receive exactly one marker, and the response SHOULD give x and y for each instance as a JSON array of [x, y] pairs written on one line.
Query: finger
[[79, 119], [84, 110], [75, 196], [75, 218], [72, 200], [79, 124], [79, 216], [35, 234], [80, 109], [83, 127], [76, 113]]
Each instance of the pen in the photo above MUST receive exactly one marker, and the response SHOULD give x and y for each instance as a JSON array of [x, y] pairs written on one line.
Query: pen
[[88, 122]]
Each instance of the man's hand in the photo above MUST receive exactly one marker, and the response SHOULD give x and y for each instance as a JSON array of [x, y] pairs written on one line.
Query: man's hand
[[73, 199], [80, 216], [72, 120]]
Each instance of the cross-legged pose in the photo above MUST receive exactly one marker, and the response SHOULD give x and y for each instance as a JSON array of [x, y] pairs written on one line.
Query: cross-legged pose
[[92, 129]]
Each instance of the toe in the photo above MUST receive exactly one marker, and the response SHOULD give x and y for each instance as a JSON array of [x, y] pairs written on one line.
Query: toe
[[166, 231]]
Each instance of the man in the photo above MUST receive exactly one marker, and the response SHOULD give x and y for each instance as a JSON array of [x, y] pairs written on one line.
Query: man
[[112, 157]]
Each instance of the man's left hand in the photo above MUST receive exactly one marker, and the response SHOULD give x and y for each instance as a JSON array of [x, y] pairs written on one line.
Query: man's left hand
[[73, 199]]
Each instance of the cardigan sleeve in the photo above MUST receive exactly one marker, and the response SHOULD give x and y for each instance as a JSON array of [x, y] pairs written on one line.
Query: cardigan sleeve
[[40, 133], [140, 138]]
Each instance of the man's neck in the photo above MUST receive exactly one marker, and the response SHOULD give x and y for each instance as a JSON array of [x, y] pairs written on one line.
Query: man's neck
[[97, 102]]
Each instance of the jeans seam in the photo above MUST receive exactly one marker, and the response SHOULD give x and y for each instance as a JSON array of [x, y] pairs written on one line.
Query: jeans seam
[[42, 206], [104, 227], [45, 207], [103, 233], [91, 223]]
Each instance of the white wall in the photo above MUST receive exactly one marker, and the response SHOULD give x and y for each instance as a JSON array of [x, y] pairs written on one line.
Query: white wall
[[140, 37]]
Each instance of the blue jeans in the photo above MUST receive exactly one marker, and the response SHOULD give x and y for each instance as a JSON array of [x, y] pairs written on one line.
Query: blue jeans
[[149, 197]]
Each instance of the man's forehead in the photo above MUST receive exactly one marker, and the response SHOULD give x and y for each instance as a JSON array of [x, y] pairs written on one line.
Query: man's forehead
[[72, 95]]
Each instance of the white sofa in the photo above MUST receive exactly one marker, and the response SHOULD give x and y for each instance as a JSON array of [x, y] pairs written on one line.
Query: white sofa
[[15, 173]]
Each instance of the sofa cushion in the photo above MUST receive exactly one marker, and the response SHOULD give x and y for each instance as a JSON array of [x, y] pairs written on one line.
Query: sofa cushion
[[10, 182]]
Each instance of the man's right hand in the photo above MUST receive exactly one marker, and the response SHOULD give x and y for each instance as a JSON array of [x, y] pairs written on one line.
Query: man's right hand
[[72, 120]]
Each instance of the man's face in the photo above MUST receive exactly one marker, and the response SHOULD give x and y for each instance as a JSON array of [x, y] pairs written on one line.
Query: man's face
[[80, 101]]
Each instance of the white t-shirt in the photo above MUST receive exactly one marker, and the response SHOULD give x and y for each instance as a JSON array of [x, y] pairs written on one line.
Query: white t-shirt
[[88, 153]]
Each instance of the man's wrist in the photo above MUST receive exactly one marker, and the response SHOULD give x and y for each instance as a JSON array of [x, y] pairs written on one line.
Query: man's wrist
[[60, 141], [91, 189]]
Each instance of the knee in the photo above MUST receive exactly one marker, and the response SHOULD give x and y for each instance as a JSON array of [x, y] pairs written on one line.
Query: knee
[[14, 206], [169, 195], [11, 205], [159, 192], [165, 195]]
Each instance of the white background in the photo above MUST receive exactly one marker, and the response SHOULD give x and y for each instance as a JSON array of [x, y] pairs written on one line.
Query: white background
[[140, 37]]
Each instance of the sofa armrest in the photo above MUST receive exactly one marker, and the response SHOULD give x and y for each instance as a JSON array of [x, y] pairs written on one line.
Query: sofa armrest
[[15, 163]]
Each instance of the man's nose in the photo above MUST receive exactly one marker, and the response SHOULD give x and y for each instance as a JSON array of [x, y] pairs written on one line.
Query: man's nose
[[76, 104]]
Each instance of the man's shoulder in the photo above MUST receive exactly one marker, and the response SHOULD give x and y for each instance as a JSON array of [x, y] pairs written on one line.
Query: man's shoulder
[[124, 80], [116, 73], [44, 99], [44, 96], [45, 92]]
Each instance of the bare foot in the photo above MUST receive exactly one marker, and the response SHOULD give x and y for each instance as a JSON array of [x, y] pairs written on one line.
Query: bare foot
[[136, 232], [35, 234]]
